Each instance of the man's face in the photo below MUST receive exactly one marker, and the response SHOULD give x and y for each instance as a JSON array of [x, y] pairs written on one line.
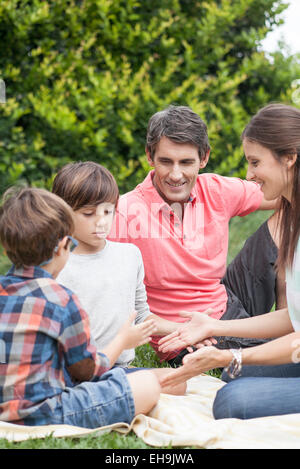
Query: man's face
[[176, 168]]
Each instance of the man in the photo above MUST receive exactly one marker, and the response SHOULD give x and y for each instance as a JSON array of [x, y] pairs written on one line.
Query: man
[[179, 220]]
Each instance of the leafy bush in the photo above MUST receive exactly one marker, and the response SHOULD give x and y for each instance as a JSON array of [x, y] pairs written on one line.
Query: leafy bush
[[84, 76]]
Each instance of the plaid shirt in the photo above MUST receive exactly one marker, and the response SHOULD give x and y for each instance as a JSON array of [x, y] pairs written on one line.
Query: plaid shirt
[[42, 328]]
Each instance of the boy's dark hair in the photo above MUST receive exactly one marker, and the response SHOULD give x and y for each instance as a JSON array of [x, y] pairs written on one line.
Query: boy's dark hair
[[32, 221], [85, 184], [181, 125]]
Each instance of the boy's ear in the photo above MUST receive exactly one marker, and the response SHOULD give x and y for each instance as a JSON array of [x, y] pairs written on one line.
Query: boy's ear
[[62, 246]]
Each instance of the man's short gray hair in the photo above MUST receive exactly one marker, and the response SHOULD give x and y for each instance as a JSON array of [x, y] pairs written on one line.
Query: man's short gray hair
[[181, 125]]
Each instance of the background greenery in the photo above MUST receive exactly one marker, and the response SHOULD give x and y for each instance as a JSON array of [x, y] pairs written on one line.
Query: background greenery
[[83, 78]]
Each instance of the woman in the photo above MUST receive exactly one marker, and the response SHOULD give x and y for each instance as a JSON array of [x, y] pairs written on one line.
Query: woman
[[271, 144]]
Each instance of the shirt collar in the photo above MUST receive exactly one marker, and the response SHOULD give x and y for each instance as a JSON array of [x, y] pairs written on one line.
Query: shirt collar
[[152, 196], [29, 272]]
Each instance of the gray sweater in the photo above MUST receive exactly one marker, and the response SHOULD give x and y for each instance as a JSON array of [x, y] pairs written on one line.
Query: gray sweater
[[110, 286]]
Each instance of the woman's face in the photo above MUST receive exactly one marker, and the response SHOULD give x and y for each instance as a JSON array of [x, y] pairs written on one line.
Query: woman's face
[[273, 176]]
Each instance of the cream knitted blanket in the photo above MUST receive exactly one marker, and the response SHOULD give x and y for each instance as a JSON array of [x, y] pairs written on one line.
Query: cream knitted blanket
[[185, 421]]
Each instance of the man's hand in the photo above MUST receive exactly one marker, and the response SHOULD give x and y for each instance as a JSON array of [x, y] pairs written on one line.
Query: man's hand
[[134, 335], [197, 331], [196, 363]]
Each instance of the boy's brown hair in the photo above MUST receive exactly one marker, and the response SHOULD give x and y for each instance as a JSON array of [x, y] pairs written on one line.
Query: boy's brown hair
[[32, 221], [85, 184]]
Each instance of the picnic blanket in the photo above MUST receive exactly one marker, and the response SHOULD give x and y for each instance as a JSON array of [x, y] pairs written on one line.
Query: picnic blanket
[[185, 421]]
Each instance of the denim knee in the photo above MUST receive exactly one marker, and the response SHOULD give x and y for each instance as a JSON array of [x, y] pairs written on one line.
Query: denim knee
[[230, 401]]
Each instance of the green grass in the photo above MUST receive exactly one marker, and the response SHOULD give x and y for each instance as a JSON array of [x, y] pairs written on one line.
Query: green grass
[[4, 263], [111, 440], [240, 230]]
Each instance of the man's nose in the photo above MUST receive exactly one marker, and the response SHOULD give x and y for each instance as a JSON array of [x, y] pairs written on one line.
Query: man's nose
[[176, 173]]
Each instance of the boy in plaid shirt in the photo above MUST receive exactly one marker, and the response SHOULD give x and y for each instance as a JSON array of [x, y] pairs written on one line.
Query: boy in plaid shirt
[[44, 329]]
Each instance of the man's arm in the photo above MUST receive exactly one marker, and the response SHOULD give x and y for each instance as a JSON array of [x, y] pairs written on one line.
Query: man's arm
[[268, 204], [165, 327]]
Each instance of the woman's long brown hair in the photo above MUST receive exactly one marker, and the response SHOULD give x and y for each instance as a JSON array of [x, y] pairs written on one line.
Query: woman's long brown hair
[[277, 127]]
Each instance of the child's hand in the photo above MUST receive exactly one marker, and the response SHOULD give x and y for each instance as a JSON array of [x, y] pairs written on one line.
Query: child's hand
[[135, 335]]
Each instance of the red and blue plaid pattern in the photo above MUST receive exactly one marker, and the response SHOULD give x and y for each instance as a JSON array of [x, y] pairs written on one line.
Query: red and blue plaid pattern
[[42, 328]]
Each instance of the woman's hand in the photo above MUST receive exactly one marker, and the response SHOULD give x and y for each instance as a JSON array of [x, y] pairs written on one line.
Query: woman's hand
[[196, 363], [197, 331]]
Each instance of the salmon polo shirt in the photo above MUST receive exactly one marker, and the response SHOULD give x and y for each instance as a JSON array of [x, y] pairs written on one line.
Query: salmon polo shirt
[[184, 258]]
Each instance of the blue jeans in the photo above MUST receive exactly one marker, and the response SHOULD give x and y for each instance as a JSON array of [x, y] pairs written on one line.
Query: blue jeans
[[90, 404], [70, 383], [261, 391], [290, 370], [132, 369]]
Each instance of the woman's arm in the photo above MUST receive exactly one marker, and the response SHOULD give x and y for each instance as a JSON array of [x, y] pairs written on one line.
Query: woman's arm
[[202, 326], [270, 325], [276, 352]]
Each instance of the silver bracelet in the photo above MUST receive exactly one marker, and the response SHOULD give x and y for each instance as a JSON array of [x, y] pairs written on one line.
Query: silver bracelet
[[235, 366]]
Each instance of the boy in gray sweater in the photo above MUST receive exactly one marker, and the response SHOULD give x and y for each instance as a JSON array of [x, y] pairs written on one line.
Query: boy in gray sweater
[[108, 277]]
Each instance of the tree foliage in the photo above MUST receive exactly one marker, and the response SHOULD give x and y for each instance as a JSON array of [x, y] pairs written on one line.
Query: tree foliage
[[83, 78]]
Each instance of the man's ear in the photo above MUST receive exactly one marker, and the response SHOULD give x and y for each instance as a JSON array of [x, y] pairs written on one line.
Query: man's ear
[[204, 160], [149, 158]]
